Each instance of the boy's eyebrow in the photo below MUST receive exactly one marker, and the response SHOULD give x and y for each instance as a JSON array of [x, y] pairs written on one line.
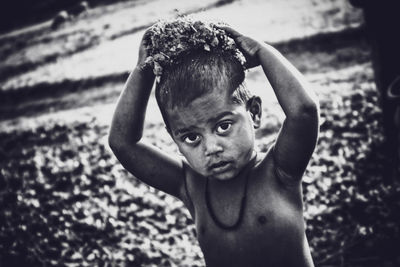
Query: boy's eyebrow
[[213, 119], [220, 116], [184, 130]]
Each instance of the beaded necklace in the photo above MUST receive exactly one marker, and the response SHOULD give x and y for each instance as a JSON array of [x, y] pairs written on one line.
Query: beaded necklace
[[242, 203]]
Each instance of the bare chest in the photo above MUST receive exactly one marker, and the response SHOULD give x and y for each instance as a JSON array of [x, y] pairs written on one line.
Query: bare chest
[[270, 223]]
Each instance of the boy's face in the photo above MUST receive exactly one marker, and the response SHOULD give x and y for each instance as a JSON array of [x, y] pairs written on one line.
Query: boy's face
[[215, 134]]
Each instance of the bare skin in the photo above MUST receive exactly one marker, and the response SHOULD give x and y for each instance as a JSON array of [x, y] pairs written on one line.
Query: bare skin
[[216, 137]]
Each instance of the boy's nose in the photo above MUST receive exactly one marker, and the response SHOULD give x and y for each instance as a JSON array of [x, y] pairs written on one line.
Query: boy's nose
[[212, 147]]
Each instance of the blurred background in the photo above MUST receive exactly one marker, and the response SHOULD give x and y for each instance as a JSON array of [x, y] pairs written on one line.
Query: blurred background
[[66, 201]]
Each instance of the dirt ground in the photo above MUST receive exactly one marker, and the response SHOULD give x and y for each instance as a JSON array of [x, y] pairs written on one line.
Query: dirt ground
[[67, 201]]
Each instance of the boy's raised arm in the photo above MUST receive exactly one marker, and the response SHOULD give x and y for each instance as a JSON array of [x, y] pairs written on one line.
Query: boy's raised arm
[[298, 136], [145, 162]]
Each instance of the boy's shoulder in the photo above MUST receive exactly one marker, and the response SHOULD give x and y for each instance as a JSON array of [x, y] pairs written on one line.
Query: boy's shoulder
[[265, 168], [264, 179]]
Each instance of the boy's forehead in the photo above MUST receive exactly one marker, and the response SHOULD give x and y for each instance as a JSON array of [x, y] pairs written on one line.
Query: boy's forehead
[[203, 109]]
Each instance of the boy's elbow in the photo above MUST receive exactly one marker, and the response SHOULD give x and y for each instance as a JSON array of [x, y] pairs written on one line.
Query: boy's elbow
[[118, 143], [308, 111], [311, 109], [113, 143]]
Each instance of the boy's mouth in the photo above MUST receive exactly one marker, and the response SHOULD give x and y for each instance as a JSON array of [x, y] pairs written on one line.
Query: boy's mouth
[[220, 166]]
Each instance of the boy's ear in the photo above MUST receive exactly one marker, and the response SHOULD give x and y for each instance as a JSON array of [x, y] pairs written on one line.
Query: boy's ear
[[254, 107]]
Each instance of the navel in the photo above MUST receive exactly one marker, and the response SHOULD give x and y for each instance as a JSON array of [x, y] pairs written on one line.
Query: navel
[[262, 219]]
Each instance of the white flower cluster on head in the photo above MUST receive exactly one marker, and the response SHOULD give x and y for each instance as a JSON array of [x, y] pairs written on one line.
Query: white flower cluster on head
[[169, 40]]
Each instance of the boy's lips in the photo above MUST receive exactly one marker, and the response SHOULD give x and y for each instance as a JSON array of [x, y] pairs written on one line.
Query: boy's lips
[[220, 166]]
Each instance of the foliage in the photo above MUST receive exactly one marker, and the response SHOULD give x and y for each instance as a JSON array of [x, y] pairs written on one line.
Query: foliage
[[168, 41], [351, 211], [65, 201]]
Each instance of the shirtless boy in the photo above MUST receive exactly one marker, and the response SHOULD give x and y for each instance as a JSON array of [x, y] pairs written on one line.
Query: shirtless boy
[[247, 206]]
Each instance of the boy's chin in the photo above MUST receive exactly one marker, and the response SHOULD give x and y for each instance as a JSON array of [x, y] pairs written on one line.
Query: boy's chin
[[226, 176]]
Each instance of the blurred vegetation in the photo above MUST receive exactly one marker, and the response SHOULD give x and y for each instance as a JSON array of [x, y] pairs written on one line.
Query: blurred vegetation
[[60, 210], [352, 213], [18, 13]]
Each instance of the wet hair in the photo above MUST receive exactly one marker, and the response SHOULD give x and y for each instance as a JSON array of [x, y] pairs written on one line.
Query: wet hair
[[197, 74]]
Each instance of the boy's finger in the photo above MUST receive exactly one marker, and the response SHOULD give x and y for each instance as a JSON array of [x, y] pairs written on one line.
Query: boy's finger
[[230, 31], [148, 31], [146, 35]]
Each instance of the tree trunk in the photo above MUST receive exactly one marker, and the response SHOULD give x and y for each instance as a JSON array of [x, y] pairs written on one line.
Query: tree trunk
[[382, 20]]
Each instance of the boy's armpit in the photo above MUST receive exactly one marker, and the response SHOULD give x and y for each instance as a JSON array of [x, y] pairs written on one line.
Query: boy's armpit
[[294, 145], [283, 176], [185, 194]]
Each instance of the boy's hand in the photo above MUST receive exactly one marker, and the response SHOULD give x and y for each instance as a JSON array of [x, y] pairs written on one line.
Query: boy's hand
[[247, 45], [142, 64]]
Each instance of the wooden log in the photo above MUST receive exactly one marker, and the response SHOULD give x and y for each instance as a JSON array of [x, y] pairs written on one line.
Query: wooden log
[[382, 19]]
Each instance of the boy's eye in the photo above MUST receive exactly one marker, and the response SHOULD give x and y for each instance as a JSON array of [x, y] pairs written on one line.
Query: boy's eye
[[223, 127], [191, 138]]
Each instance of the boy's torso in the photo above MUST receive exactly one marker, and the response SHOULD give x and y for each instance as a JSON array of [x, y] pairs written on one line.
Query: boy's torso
[[271, 232]]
